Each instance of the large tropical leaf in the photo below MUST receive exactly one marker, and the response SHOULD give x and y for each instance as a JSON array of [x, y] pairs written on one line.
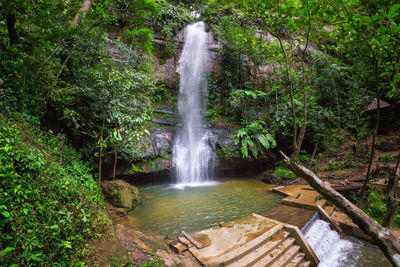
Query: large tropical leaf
[[245, 150], [271, 140], [253, 147], [262, 140]]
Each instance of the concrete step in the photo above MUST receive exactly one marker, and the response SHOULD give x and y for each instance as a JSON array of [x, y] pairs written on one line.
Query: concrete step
[[239, 252], [258, 253], [321, 202], [296, 260], [329, 210], [300, 203], [305, 264], [287, 257], [273, 256]]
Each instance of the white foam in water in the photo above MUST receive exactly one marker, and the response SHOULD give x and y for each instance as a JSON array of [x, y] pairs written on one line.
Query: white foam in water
[[192, 153], [327, 245], [195, 14], [183, 185]]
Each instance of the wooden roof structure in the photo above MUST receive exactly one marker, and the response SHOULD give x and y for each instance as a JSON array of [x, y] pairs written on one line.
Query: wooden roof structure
[[374, 104]]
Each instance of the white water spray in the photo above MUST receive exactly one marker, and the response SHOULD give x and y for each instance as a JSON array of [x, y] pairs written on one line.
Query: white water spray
[[191, 152], [330, 249]]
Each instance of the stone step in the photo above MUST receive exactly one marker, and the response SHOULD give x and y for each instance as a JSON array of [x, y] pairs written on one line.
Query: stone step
[[296, 260], [329, 210], [305, 264], [301, 203], [239, 252], [257, 254], [321, 202], [287, 257], [273, 256]]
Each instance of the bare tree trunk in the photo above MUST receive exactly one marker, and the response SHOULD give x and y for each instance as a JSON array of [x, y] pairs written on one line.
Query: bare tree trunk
[[289, 79], [58, 75], [297, 148], [384, 238], [82, 11], [62, 151], [337, 106], [12, 33], [363, 192], [115, 161], [101, 149], [313, 154], [392, 200]]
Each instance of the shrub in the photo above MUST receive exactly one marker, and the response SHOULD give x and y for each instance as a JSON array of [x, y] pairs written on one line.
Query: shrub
[[377, 206], [387, 158], [281, 172], [47, 212]]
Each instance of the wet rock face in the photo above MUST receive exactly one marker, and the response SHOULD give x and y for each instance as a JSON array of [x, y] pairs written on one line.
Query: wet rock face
[[162, 143], [221, 138], [166, 69], [166, 72], [121, 194]]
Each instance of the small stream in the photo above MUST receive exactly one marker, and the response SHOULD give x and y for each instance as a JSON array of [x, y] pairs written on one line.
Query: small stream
[[168, 209]]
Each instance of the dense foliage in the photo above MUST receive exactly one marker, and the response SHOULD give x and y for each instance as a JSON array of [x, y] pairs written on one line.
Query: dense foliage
[[77, 77], [292, 74], [339, 45], [47, 211]]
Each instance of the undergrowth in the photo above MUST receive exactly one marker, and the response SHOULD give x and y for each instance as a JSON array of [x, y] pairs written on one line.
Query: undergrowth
[[377, 206], [47, 212]]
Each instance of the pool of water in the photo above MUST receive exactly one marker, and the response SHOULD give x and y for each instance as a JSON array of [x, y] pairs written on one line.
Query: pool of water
[[168, 209], [364, 254]]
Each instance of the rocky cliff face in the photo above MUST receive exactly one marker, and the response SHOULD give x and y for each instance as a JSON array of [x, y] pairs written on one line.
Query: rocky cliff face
[[166, 121], [156, 149], [165, 68]]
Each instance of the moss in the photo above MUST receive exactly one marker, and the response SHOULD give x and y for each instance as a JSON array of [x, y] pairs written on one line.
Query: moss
[[136, 195], [121, 194], [116, 198]]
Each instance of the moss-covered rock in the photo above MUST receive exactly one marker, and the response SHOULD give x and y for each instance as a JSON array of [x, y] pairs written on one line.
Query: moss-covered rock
[[121, 194]]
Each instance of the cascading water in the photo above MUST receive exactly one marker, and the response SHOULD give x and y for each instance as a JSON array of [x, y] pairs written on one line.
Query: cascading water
[[191, 152], [330, 249]]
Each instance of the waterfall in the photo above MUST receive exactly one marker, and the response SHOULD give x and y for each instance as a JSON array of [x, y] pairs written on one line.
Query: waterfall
[[191, 152], [327, 244]]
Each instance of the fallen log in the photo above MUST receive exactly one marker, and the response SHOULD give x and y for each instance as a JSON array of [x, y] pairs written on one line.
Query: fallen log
[[347, 187], [192, 240], [383, 237]]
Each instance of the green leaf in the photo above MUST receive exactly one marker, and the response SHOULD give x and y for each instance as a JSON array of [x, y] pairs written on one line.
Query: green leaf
[[253, 147], [271, 139], [393, 11], [6, 251], [35, 257], [245, 150], [263, 141], [5, 213]]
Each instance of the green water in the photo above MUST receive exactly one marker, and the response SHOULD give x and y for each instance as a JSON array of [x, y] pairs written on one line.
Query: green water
[[167, 210]]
